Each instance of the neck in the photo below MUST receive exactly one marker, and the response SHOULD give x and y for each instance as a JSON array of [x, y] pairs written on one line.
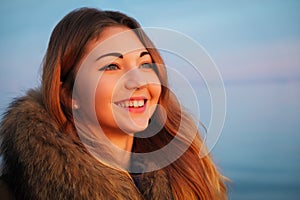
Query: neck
[[116, 141], [124, 143], [122, 140]]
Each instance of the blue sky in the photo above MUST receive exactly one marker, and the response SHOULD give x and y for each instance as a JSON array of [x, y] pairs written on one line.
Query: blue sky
[[248, 40]]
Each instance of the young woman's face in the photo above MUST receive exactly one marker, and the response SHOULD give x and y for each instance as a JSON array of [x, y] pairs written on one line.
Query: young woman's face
[[119, 84]]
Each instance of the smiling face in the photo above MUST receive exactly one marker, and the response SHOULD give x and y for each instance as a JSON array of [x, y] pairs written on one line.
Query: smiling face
[[117, 82]]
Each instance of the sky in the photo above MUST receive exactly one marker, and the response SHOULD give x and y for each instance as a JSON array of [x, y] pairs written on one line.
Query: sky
[[248, 40]]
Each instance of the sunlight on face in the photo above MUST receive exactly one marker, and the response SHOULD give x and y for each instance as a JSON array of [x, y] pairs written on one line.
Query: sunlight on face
[[119, 84]]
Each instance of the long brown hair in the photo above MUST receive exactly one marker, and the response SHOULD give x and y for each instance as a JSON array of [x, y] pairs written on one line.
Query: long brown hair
[[191, 176]]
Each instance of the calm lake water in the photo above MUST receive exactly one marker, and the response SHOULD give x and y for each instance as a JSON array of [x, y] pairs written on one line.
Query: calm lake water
[[259, 147]]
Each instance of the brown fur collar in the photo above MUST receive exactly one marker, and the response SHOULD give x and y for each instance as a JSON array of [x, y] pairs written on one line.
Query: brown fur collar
[[40, 162]]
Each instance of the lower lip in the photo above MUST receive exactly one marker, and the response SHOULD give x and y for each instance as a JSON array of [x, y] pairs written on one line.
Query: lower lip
[[135, 110]]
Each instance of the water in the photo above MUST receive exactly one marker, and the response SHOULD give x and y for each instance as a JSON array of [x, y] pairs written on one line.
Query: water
[[259, 147]]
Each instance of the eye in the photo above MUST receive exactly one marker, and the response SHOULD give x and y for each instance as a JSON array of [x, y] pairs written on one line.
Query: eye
[[147, 65], [109, 67]]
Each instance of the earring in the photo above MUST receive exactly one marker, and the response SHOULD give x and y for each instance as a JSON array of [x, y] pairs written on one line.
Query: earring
[[75, 106]]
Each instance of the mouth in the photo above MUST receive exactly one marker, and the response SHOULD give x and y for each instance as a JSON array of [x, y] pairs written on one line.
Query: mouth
[[133, 104]]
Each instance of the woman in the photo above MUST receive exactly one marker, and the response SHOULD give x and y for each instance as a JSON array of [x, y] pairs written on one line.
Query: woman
[[80, 136]]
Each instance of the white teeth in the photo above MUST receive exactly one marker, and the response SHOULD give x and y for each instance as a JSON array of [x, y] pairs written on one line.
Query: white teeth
[[141, 103], [133, 103]]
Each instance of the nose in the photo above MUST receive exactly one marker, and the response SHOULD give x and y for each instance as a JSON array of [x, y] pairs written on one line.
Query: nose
[[134, 79]]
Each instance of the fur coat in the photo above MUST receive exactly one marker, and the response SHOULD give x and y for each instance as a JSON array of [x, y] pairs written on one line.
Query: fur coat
[[40, 162]]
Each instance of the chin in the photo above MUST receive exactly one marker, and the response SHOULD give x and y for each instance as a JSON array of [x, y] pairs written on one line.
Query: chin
[[134, 128]]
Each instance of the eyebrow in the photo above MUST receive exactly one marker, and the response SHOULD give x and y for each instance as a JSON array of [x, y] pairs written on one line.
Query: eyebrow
[[119, 55], [115, 54], [143, 53]]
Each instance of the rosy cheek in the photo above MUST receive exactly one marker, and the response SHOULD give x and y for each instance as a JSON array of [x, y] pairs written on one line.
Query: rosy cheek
[[156, 89], [105, 89], [102, 93]]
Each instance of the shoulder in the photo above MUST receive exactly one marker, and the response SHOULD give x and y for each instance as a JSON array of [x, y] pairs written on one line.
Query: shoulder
[[26, 126], [24, 112], [24, 117], [40, 161]]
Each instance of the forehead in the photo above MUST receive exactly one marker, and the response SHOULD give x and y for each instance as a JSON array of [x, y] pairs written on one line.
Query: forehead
[[116, 39]]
